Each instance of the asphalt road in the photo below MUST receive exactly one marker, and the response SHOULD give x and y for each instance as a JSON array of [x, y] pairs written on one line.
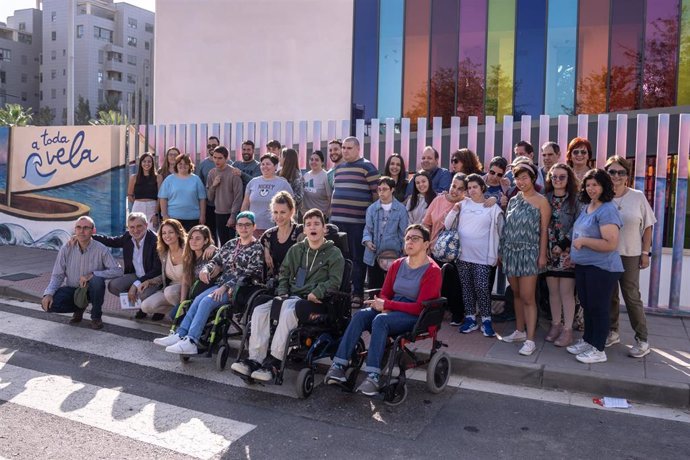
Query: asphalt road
[[69, 392]]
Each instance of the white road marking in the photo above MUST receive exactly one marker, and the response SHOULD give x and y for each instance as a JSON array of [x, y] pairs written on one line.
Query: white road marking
[[135, 351], [182, 430]]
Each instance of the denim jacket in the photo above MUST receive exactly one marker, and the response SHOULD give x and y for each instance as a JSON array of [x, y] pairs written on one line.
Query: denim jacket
[[393, 233]]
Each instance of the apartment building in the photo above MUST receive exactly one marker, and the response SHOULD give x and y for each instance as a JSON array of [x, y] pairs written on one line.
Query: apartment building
[[113, 57], [20, 48]]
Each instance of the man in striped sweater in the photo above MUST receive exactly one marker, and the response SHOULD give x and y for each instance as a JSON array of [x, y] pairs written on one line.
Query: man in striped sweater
[[354, 189]]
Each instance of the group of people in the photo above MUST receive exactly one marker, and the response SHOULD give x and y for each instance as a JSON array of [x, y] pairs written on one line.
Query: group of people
[[584, 230]]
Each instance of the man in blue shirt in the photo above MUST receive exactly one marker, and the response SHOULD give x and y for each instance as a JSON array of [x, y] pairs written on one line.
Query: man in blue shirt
[[440, 177]]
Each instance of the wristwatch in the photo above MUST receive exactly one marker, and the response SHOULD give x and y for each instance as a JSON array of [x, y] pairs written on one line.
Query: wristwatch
[[647, 253]]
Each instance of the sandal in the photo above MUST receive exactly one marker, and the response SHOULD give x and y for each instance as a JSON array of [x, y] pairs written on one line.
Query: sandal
[[356, 302]]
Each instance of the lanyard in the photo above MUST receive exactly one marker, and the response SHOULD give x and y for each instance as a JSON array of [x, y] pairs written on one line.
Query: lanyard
[[306, 256]]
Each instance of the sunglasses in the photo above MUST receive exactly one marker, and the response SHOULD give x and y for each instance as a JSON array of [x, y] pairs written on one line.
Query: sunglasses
[[617, 172], [494, 173], [580, 152], [559, 177]]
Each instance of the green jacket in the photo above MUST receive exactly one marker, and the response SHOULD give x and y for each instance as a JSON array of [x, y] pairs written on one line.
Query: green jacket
[[326, 271]]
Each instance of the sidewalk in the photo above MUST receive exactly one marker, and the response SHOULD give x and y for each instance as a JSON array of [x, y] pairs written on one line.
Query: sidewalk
[[662, 377]]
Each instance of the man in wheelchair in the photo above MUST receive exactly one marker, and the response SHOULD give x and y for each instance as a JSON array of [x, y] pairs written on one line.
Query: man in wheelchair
[[311, 268], [409, 282]]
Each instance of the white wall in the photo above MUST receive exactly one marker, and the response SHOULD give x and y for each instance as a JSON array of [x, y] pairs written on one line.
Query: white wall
[[252, 60]]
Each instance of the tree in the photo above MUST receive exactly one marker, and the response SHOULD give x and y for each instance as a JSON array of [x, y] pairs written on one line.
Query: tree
[[15, 115], [44, 117], [82, 114], [112, 102], [110, 117], [499, 93]]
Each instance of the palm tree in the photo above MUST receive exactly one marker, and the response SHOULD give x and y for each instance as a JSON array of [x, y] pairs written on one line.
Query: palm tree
[[110, 117], [15, 115]]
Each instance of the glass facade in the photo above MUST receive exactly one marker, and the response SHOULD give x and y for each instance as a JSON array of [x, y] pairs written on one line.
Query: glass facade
[[427, 58]]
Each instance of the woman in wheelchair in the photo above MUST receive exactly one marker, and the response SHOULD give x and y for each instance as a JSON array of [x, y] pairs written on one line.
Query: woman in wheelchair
[[311, 268], [410, 281], [238, 258]]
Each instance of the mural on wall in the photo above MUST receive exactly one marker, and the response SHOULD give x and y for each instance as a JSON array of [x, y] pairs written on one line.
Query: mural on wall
[[51, 176]]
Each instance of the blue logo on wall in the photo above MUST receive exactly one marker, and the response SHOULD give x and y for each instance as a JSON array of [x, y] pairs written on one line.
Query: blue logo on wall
[[38, 171]]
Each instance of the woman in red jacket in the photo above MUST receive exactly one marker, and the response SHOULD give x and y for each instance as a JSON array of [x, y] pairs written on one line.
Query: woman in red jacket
[[410, 281]]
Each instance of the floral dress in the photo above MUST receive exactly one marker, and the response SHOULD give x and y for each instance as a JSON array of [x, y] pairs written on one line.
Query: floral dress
[[563, 215]]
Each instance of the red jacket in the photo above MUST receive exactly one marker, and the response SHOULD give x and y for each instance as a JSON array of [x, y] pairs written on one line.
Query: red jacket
[[430, 288]]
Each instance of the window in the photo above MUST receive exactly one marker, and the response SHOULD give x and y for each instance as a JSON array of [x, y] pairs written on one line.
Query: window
[[22, 26], [103, 34], [53, 35], [148, 27], [24, 96], [53, 15], [100, 76], [64, 72], [131, 59], [132, 41], [24, 78], [5, 55], [146, 81], [2, 76], [132, 79], [80, 31], [147, 45], [53, 74], [24, 38], [132, 23], [40, 95], [40, 77], [101, 56], [53, 55], [53, 93]]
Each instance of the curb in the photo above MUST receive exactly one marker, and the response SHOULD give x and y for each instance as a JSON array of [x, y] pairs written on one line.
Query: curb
[[670, 394]]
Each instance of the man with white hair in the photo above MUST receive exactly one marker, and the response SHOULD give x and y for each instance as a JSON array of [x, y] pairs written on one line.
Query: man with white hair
[[141, 260], [84, 265]]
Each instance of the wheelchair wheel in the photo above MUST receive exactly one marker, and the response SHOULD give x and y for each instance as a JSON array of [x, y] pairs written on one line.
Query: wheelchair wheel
[[395, 393], [438, 372], [305, 383], [222, 357], [184, 358]]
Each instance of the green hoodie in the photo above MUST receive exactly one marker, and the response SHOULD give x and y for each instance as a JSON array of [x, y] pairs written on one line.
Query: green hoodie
[[327, 264]]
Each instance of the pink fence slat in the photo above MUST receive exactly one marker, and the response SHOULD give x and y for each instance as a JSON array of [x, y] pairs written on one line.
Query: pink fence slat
[[421, 139], [227, 136], [621, 134], [526, 129], [507, 146], [263, 135], [602, 139], [489, 138], [641, 151], [374, 139], [251, 131], [215, 130], [454, 134], [680, 211], [437, 136], [359, 134], [172, 137], [659, 208], [161, 145], [141, 143], [332, 130], [289, 134], [405, 142], [239, 139], [151, 140], [303, 140], [544, 125], [275, 132], [316, 136], [181, 141], [191, 140], [344, 129], [390, 137], [203, 135], [563, 131], [582, 128], [473, 135]]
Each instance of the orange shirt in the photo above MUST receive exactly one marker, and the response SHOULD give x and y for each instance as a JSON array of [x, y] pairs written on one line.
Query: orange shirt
[[435, 216]]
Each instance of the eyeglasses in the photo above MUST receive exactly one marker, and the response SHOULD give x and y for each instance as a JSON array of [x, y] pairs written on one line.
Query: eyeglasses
[[580, 152], [559, 177], [494, 173], [85, 227], [617, 172], [414, 238], [455, 160], [244, 224]]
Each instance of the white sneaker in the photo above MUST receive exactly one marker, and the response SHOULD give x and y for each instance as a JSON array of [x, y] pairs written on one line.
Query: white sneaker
[[578, 347], [528, 348], [241, 368], [612, 339], [516, 336], [639, 350], [183, 347], [172, 339], [592, 356]]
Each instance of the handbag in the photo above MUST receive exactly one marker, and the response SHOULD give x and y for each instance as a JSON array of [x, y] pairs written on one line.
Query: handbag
[[447, 246], [386, 259]]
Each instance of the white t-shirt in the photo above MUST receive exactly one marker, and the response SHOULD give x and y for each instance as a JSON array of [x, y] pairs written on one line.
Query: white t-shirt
[[260, 192], [637, 215], [474, 227]]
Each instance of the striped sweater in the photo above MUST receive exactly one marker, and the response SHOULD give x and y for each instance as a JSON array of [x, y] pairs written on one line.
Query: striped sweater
[[354, 189]]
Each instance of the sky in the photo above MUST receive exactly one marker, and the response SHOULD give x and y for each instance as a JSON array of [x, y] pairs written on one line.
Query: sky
[[7, 7]]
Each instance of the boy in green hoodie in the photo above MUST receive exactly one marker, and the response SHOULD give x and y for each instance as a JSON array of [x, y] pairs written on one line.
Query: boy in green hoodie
[[311, 268]]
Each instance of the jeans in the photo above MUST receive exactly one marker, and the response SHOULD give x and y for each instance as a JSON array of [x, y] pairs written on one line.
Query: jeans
[[594, 288], [354, 242], [225, 233], [630, 287], [63, 299], [194, 321], [381, 325]]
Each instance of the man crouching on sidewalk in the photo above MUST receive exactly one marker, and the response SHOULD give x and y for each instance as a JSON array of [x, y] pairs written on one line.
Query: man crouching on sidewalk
[[84, 265]]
